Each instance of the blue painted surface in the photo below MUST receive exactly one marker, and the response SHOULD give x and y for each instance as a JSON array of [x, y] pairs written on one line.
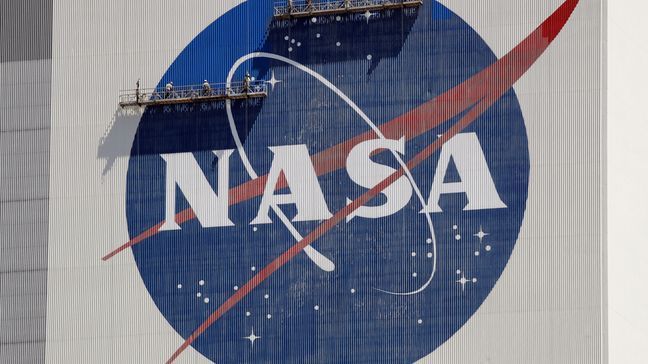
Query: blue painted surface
[[416, 55]]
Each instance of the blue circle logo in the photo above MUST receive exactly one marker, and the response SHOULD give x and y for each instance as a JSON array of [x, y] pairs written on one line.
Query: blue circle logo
[[343, 217]]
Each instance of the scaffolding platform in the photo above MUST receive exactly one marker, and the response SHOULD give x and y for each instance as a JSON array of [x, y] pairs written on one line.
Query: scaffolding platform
[[193, 94], [290, 9]]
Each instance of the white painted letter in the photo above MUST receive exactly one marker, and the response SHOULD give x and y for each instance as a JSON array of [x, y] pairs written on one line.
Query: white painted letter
[[305, 191], [182, 170], [366, 173], [476, 180]]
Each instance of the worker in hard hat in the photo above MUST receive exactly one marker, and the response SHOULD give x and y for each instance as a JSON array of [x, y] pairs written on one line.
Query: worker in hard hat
[[206, 88], [137, 91], [168, 89], [246, 82]]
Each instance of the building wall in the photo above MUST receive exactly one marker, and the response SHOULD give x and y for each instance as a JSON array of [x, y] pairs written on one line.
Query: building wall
[[66, 147]]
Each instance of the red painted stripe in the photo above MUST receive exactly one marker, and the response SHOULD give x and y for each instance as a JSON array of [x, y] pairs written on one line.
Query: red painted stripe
[[181, 218], [496, 80]]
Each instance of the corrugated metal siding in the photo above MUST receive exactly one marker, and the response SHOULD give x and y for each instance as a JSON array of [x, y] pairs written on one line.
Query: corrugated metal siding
[[24, 204], [25, 86], [25, 30], [548, 306]]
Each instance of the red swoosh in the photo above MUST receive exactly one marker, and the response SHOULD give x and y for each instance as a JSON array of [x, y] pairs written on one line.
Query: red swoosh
[[484, 89]]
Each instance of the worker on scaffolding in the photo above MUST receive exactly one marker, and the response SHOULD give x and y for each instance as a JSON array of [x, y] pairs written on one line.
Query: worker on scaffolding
[[246, 83], [168, 89], [137, 91], [206, 88]]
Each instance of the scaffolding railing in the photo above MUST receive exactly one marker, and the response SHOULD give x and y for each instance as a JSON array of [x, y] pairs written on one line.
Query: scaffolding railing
[[304, 8], [193, 93]]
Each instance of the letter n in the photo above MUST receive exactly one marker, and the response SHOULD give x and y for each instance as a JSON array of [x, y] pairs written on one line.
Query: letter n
[[184, 172]]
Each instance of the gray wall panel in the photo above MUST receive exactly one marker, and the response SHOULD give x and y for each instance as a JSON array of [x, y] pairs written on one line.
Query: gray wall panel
[[24, 141], [24, 95], [25, 30], [26, 235], [22, 328], [29, 177], [27, 213], [22, 352], [22, 284], [22, 258], [24, 204]]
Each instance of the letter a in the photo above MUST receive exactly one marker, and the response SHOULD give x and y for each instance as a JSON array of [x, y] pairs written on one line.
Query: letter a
[[476, 180], [305, 191]]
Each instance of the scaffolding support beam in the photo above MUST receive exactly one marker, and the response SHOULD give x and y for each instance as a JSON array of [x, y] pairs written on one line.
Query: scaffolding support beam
[[193, 94], [307, 8]]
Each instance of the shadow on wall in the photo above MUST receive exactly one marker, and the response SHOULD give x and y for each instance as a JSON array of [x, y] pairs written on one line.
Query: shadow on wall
[[117, 141], [190, 127], [368, 36]]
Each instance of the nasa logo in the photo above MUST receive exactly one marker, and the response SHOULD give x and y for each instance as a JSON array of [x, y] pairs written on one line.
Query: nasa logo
[[362, 212], [293, 163]]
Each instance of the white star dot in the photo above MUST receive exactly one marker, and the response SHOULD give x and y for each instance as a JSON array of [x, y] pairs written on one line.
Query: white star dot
[[252, 337], [353, 290], [318, 35], [206, 300], [253, 269], [316, 308], [369, 57], [273, 81], [201, 282], [420, 321], [429, 240], [481, 234], [248, 314], [290, 49], [292, 41], [455, 227], [457, 237], [198, 294], [286, 37], [368, 15], [266, 296], [458, 271], [429, 255], [463, 282], [488, 248], [298, 44], [255, 229], [476, 254], [338, 18], [314, 20], [338, 44], [269, 316], [179, 286], [414, 274], [236, 288], [413, 254]]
